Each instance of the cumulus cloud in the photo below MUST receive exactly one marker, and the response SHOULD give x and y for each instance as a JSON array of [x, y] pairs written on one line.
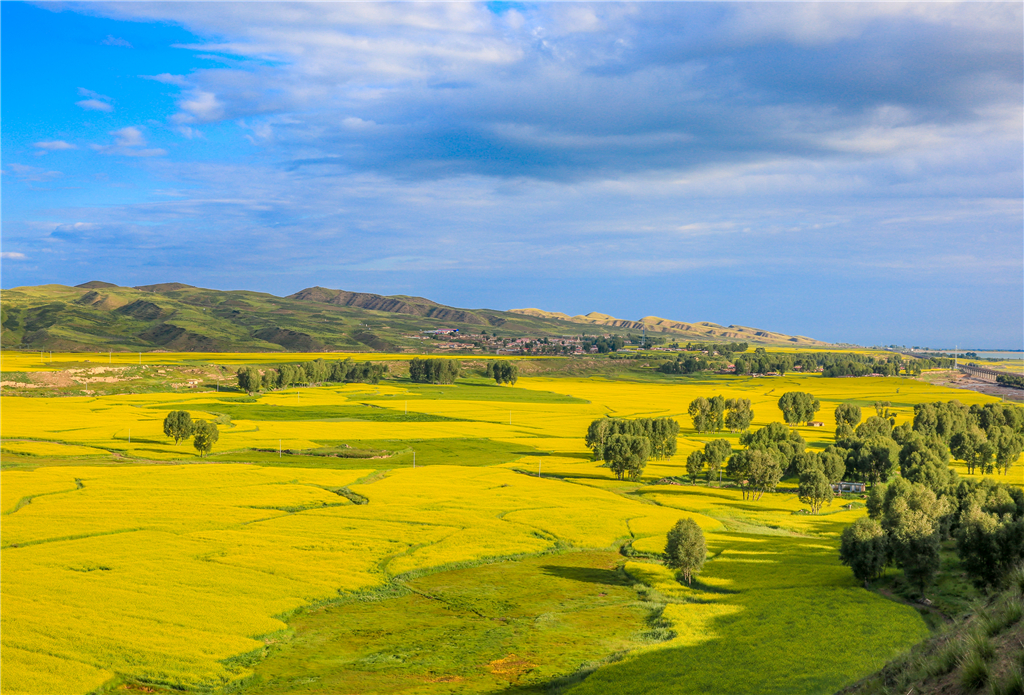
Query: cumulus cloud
[[12, 255]]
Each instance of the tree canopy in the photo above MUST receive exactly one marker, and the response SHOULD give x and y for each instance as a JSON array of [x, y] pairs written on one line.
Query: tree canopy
[[178, 425]]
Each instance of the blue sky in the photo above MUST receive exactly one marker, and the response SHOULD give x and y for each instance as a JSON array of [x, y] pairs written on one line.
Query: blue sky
[[851, 172]]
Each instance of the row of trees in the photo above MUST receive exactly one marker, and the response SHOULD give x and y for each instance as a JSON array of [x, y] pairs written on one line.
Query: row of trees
[[626, 445], [179, 426], [1011, 380], [503, 372], [434, 371], [712, 414], [252, 380], [660, 432], [907, 522], [831, 364]]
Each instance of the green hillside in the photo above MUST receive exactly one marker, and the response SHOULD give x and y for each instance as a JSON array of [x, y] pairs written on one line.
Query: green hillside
[[176, 317]]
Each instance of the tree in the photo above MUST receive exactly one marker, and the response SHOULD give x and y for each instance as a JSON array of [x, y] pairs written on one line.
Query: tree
[[597, 433], [877, 458], [627, 455], [715, 454], [249, 379], [756, 470], [832, 465], [205, 436], [738, 414], [1008, 448], [700, 413], [686, 549], [506, 372], [847, 414], [989, 547], [798, 407], [915, 546], [178, 425], [815, 490], [695, 464], [786, 443], [864, 549]]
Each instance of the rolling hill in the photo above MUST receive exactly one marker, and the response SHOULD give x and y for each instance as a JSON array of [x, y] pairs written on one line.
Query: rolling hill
[[177, 317]]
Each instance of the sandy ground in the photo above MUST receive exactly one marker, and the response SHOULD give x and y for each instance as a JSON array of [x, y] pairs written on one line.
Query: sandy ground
[[962, 381]]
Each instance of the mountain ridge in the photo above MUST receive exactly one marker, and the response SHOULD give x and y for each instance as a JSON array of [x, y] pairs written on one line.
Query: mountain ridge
[[98, 315]]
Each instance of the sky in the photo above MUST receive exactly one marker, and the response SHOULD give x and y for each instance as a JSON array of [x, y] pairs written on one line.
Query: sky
[[853, 172]]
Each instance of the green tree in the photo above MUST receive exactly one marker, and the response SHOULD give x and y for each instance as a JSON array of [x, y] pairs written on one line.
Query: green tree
[[848, 414], [597, 433], [1008, 448], [700, 413], [915, 546], [506, 372], [249, 379], [715, 454], [864, 549], [205, 435], [756, 470], [815, 490], [178, 425], [832, 465], [686, 549], [738, 414], [695, 464], [798, 407], [627, 455]]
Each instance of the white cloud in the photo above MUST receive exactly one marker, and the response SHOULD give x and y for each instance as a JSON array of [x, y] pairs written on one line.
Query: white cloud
[[128, 137], [201, 107], [115, 41], [95, 105], [31, 174], [167, 78], [55, 145], [129, 142], [12, 256]]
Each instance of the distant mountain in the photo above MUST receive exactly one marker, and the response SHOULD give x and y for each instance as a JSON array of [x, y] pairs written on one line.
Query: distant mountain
[[177, 317], [703, 330]]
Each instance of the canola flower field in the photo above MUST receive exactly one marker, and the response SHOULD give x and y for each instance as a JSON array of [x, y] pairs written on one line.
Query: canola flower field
[[127, 559]]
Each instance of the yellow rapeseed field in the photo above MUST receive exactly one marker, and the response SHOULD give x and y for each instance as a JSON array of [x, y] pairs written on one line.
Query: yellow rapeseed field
[[171, 573]]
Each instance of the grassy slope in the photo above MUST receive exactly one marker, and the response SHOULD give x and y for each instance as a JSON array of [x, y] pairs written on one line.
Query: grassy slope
[[55, 317]]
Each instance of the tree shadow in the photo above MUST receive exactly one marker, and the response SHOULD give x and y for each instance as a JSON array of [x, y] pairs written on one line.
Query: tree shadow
[[591, 575]]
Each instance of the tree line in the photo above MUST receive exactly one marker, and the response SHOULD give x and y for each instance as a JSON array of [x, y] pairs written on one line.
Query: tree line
[[434, 371], [252, 380], [831, 364], [1011, 380]]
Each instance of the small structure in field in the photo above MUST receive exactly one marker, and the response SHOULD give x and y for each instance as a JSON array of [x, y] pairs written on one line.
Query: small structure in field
[[843, 486], [816, 423]]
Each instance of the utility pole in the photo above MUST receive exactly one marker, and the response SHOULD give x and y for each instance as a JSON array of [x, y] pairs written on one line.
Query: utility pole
[[414, 458], [278, 448]]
